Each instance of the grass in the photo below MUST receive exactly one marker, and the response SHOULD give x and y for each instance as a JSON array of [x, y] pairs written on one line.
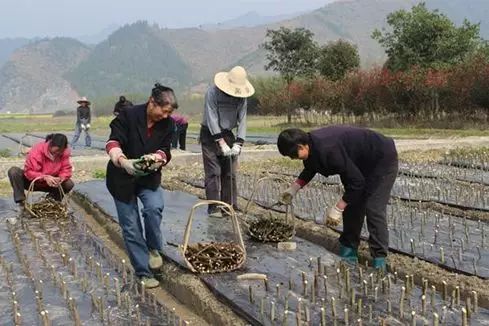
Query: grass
[[265, 125], [24, 123], [5, 189], [273, 125], [99, 174]]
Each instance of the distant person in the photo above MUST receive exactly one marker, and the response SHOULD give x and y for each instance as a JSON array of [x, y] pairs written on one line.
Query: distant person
[[225, 109], [121, 105], [146, 131], [180, 136], [49, 160], [83, 119]]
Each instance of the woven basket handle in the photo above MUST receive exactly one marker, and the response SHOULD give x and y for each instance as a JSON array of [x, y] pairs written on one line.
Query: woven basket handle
[[22, 147], [30, 190], [234, 220], [288, 208]]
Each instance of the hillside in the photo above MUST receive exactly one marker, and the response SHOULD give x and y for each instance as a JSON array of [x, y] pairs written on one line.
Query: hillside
[[135, 56], [8, 46], [131, 60], [31, 81]]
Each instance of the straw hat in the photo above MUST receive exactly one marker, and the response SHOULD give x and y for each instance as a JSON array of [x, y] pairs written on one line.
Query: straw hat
[[83, 99], [234, 83]]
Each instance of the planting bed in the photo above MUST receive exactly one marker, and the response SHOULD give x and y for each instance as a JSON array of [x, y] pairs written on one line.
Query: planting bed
[[455, 243], [308, 284], [60, 273]]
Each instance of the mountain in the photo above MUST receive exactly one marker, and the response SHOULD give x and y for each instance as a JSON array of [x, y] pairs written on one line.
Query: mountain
[[131, 60], [8, 46], [135, 56], [96, 38], [249, 19], [476, 11], [31, 81]]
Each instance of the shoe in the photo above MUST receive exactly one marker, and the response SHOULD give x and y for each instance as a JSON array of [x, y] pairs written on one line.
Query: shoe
[[379, 263], [155, 261], [150, 282], [348, 254]]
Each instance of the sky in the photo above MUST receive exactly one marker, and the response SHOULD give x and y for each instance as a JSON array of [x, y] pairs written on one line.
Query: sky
[[29, 18]]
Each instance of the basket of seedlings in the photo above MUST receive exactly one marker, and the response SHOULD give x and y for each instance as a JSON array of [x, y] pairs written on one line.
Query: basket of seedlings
[[46, 208], [271, 228], [214, 257]]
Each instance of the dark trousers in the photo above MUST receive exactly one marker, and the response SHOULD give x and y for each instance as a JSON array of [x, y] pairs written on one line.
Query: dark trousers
[[180, 136], [373, 206], [20, 183], [219, 170], [78, 131]]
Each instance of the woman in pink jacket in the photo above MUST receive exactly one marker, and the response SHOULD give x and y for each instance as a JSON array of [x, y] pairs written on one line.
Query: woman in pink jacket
[[49, 160]]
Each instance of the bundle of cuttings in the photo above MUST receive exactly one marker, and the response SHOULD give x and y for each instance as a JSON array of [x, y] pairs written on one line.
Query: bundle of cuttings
[[271, 229], [215, 257], [146, 165], [48, 208]]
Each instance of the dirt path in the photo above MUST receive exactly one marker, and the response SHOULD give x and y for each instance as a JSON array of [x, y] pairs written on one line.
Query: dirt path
[[439, 143]]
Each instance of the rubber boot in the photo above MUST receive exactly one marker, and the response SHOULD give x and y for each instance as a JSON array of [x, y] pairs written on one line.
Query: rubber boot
[[348, 254], [379, 263]]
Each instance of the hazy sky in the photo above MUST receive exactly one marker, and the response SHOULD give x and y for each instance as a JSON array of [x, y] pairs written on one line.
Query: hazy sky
[[84, 17]]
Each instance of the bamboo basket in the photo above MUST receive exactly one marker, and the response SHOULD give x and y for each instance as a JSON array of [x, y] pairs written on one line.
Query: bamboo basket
[[238, 244], [29, 204], [265, 229]]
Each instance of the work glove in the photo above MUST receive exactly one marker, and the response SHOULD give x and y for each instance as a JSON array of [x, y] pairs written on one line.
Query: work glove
[[334, 216], [236, 150], [115, 154], [288, 195], [128, 165], [83, 127], [225, 149], [87, 126]]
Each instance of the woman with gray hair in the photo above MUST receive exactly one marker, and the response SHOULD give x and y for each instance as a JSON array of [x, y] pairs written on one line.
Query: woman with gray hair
[[145, 131]]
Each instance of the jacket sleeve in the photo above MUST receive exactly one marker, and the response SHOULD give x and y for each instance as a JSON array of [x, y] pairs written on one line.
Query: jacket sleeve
[[164, 149], [305, 177], [66, 169], [89, 115], [119, 130], [242, 111], [211, 113], [351, 177], [33, 165]]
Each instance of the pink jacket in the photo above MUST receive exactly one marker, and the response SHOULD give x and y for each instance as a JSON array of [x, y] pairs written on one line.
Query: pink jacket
[[39, 162]]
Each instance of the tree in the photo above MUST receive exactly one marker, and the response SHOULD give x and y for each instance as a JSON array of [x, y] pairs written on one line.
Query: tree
[[425, 38], [292, 53], [336, 59]]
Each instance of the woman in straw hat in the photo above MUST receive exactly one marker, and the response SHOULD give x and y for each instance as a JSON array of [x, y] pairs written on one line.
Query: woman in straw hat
[[225, 109], [83, 119]]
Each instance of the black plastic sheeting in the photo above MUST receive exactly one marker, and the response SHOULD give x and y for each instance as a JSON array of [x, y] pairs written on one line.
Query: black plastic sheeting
[[98, 142], [80, 245], [441, 171], [79, 150], [465, 242], [281, 268], [262, 258], [11, 147], [250, 138]]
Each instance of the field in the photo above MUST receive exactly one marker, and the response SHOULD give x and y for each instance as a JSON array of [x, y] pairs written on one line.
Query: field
[[263, 125], [438, 267]]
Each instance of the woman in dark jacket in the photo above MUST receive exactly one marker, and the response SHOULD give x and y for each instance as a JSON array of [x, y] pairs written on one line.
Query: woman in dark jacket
[[367, 164], [144, 131]]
